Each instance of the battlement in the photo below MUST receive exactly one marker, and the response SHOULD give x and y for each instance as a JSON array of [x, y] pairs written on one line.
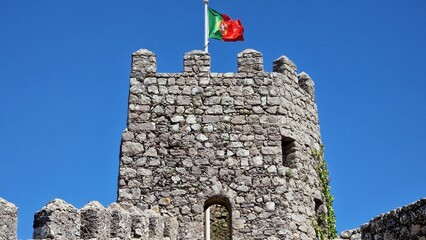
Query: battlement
[[197, 63], [60, 220], [239, 143], [229, 154], [247, 92], [242, 140], [8, 220]]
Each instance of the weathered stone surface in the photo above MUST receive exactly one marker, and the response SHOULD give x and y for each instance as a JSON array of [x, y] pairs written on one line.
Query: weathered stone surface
[[353, 234], [60, 220], [285, 66], [197, 139], [220, 134], [139, 223], [408, 222], [306, 83], [120, 220], [57, 219], [8, 220], [95, 221], [144, 64], [250, 61]]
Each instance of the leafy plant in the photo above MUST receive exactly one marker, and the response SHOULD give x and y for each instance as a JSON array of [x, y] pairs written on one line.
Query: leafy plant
[[324, 224]]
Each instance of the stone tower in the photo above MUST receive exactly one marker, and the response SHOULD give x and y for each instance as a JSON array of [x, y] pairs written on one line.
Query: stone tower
[[217, 156], [241, 140]]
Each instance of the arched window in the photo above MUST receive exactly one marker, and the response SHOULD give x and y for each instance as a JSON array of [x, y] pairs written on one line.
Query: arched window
[[218, 218]]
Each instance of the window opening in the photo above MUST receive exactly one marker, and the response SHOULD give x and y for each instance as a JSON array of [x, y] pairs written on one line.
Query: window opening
[[287, 147], [218, 218]]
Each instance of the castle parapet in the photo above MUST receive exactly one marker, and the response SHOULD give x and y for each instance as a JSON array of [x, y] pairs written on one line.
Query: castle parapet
[[120, 222], [95, 221], [144, 64], [285, 66], [60, 220], [57, 217], [197, 62], [306, 83], [198, 135], [408, 222], [8, 220], [250, 60]]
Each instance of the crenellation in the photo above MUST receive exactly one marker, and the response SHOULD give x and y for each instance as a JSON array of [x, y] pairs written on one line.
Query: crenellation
[[144, 64], [120, 227], [250, 62], [197, 62], [197, 141], [205, 134], [156, 224], [8, 220], [408, 222], [58, 219], [285, 66], [139, 223], [95, 221], [306, 83]]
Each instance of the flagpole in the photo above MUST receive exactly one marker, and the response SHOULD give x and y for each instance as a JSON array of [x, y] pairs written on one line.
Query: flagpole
[[206, 49], [206, 26]]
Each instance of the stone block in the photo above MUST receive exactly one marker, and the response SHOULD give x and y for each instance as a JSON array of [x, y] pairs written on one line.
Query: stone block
[[144, 64], [120, 227], [306, 83], [8, 220], [197, 62], [139, 223], [95, 221], [57, 220], [250, 61]]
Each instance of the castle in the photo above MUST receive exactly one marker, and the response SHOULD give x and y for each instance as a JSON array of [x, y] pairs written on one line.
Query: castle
[[214, 156]]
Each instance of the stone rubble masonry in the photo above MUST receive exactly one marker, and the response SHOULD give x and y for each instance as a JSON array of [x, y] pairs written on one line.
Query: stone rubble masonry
[[57, 219], [194, 139], [244, 139], [353, 234], [60, 220], [408, 222], [8, 220]]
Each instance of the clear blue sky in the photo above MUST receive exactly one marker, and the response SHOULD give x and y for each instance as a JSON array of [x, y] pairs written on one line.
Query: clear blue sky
[[64, 73]]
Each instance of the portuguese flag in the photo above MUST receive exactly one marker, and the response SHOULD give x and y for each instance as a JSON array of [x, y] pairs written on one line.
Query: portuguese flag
[[222, 27]]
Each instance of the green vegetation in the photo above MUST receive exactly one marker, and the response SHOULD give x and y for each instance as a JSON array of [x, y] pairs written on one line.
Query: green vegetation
[[325, 223], [219, 223], [289, 173]]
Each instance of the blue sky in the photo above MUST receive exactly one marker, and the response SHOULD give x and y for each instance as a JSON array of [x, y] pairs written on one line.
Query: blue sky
[[64, 73]]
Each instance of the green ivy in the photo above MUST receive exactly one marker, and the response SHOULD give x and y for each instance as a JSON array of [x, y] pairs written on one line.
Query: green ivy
[[325, 224], [318, 230]]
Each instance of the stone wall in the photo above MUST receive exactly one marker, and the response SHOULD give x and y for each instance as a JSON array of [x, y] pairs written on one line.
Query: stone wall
[[243, 140], [353, 234], [196, 139], [408, 222], [60, 220], [8, 220]]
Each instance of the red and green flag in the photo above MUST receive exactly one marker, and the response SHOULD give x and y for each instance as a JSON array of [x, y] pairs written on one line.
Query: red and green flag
[[222, 27]]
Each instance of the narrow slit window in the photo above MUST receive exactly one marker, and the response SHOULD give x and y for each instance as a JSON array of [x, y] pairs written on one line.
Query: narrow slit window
[[287, 147], [320, 212]]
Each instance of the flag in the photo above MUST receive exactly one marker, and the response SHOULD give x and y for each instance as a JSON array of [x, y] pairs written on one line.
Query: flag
[[222, 27]]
